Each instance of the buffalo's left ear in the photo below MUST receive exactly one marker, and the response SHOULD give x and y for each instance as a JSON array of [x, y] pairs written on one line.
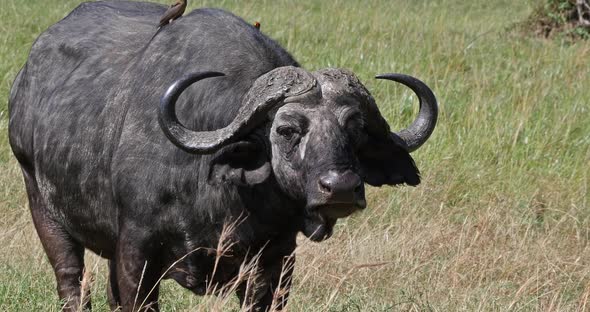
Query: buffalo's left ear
[[241, 163], [386, 161]]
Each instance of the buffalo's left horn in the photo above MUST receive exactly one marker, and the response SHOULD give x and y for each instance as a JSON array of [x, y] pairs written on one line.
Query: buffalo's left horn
[[421, 129], [268, 91]]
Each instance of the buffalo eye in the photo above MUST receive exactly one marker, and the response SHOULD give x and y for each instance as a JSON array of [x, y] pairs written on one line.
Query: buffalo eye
[[354, 128], [287, 132], [354, 122]]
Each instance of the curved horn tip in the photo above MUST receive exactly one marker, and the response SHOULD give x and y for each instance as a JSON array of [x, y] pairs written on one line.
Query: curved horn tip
[[398, 77], [187, 80], [203, 75], [423, 126], [169, 123]]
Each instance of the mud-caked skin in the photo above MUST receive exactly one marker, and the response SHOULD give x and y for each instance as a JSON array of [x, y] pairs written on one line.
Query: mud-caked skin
[[145, 152]]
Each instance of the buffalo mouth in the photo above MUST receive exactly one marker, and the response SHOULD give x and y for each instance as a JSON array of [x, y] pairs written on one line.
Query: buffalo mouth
[[336, 211], [320, 219]]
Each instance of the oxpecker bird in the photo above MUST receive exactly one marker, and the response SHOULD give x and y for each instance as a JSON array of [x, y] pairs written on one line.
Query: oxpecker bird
[[174, 11]]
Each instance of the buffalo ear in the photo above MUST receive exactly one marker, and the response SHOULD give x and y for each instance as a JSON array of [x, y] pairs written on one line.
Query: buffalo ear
[[241, 163], [386, 161]]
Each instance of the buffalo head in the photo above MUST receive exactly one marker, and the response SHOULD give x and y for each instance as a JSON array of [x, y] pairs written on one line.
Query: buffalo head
[[320, 135]]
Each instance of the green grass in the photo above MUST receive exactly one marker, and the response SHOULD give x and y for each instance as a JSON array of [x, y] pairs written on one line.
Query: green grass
[[501, 221]]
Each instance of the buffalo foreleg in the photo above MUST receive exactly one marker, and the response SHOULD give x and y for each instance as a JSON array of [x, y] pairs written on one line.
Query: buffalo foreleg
[[113, 288], [137, 277], [65, 254], [271, 290]]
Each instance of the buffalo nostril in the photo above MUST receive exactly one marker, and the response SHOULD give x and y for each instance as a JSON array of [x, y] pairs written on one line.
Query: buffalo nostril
[[324, 185], [340, 184]]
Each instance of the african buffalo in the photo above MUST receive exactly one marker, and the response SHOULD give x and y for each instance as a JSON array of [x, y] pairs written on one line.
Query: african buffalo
[[142, 150]]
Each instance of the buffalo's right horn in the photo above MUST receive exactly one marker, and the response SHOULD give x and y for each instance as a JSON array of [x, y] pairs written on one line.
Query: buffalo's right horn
[[268, 91]]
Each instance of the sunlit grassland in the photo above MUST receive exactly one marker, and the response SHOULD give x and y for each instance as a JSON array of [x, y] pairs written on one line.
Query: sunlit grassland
[[501, 221]]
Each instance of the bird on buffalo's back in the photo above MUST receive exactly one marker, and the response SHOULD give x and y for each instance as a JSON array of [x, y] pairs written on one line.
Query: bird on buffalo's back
[[174, 11]]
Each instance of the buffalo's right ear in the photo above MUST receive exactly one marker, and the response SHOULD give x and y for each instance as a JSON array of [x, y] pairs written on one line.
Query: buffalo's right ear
[[241, 163], [386, 161]]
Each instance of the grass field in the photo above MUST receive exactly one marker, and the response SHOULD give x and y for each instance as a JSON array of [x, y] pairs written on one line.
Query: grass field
[[501, 221]]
